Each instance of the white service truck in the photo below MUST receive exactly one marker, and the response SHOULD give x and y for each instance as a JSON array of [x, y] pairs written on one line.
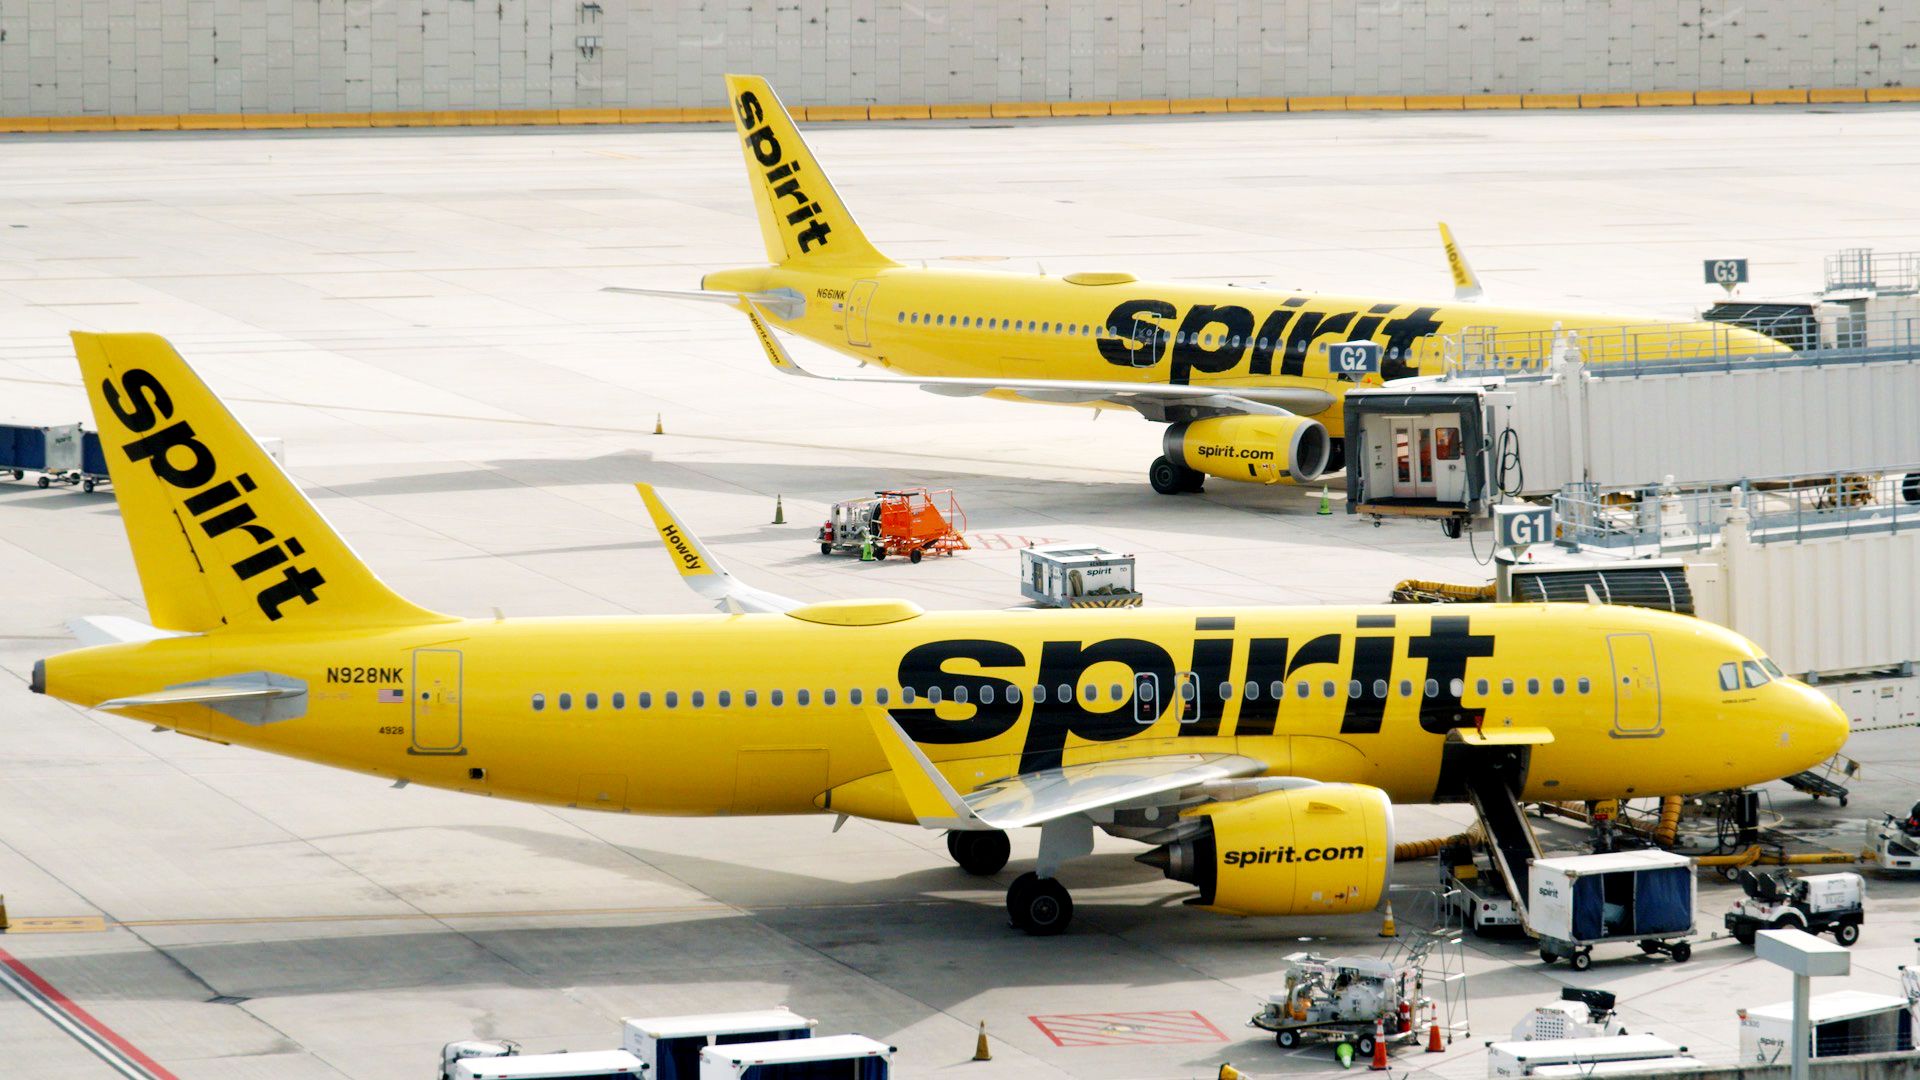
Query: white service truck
[[575, 1065], [1817, 903], [843, 1057], [1844, 1022], [1584, 1057], [671, 1045]]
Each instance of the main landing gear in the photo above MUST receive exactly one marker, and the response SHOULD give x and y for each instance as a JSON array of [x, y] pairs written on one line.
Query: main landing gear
[[1040, 906], [1170, 477]]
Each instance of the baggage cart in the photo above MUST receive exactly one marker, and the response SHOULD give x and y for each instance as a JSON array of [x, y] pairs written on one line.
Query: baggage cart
[[1077, 576], [1646, 897], [854, 1057], [1624, 1053], [671, 1045], [53, 452], [1844, 1022]]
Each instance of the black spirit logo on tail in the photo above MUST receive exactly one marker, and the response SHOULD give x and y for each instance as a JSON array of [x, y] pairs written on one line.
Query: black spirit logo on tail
[[783, 177], [179, 459]]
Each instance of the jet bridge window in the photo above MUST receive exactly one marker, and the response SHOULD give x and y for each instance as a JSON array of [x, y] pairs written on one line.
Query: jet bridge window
[[1730, 676], [1756, 675]]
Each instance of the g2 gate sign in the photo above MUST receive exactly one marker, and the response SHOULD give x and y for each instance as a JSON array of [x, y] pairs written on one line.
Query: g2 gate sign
[[1354, 357]]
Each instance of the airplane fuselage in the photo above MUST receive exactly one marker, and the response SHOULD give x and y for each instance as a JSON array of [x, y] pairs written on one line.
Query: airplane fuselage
[[767, 714]]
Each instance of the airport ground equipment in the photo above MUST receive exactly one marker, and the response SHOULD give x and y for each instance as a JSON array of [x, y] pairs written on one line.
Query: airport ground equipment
[[1571, 1058], [1816, 903], [1579, 1014], [1077, 575], [852, 1057], [1844, 1022], [910, 522], [455, 1052], [1895, 843], [1358, 1000], [574, 1065], [1826, 780], [53, 452], [1581, 901], [670, 1046], [1477, 892]]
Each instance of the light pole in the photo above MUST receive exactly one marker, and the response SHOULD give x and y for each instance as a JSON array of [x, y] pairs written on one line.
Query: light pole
[[1805, 956]]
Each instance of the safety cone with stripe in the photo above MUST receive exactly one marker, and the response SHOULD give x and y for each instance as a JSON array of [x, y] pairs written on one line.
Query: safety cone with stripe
[[659, 428], [1228, 1072], [980, 1051], [1434, 1045], [1379, 1046], [1387, 927], [779, 512], [1326, 505]]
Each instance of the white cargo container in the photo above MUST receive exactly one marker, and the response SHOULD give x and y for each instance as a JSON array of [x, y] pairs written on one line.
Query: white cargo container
[[1844, 1022], [670, 1045], [1077, 575], [852, 1057], [1642, 896], [578, 1065], [1515, 1059]]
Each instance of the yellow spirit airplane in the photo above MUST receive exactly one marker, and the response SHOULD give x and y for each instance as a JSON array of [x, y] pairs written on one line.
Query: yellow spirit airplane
[[1241, 376], [1256, 751]]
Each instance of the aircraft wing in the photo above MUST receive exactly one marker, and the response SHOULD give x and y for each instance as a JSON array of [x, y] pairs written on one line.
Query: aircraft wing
[[1037, 797], [1152, 400], [701, 571]]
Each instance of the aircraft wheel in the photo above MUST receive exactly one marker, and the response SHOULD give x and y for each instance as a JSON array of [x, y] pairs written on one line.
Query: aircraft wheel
[[1846, 933], [1582, 960], [979, 853], [1166, 477], [1287, 1039], [1040, 906], [914, 556]]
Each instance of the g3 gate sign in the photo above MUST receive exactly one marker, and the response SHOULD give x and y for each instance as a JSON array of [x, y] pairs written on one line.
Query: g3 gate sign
[[1519, 526], [1727, 272]]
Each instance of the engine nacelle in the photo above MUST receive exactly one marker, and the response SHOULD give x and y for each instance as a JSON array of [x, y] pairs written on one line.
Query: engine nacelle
[[1326, 849], [1254, 449]]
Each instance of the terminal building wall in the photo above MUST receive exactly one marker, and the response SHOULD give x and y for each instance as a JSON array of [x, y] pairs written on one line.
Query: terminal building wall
[[160, 57]]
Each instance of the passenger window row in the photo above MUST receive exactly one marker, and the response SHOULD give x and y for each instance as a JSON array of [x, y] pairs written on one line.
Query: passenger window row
[[988, 695], [1039, 326]]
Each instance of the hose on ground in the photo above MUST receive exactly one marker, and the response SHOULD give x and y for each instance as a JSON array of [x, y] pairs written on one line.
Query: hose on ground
[[1427, 849]]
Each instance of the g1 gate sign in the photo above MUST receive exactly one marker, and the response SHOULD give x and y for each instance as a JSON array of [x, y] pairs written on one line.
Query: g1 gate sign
[[1519, 526]]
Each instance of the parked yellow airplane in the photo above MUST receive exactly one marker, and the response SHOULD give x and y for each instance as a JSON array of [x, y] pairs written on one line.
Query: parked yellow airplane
[[1257, 750], [1241, 376]]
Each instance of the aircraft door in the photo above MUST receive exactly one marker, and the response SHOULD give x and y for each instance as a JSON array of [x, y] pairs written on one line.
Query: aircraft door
[[436, 701], [1636, 686], [859, 300], [1146, 697]]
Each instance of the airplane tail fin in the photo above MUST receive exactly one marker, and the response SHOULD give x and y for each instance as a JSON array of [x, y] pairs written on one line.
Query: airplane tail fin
[[221, 536], [1466, 283], [801, 217]]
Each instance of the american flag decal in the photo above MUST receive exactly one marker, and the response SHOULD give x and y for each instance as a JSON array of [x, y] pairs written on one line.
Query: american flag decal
[[390, 696]]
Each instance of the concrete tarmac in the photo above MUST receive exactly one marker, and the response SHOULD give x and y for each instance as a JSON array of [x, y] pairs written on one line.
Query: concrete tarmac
[[417, 316]]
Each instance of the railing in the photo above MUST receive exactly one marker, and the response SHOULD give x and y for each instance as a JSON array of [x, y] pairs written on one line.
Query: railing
[[1779, 510], [1658, 348], [1863, 270]]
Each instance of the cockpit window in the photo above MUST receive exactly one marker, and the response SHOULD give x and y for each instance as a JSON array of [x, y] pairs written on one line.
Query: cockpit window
[[1773, 669], [1756, 675], [1730, 676]]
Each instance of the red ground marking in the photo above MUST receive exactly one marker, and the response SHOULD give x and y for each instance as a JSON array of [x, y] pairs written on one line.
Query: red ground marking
[[85, 1018], [1127, 1029]]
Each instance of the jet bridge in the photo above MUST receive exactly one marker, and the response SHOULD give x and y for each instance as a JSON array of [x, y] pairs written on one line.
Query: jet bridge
[[1526, 418]]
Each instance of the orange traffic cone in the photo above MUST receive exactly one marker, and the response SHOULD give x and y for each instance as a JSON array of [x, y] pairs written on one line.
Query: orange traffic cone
[[980, 1051], [1379, 1046], [1387, 927], [1433, 1037]]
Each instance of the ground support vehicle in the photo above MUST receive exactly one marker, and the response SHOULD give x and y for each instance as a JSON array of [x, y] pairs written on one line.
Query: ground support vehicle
[[671, 1045], [1344, 999], [1895, 844], [1581, 901], [1477, 893], [854, 1057], [1818, 904], [1579, 1014], [1077, 575], [912, 522]]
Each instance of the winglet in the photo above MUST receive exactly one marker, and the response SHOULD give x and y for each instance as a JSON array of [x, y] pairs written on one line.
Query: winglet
[[776, 353], [933, 801], [700, 570], [1466, 284]]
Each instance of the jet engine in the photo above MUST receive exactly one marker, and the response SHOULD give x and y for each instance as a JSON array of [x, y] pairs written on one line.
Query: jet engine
[[1256, 449], [1324, 849]]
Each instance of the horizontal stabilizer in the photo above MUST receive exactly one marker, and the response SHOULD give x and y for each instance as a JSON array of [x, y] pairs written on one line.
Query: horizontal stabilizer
[[787, 304], [256, 698], [115, 630]]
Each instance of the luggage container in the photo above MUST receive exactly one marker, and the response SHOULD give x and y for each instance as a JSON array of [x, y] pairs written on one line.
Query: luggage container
[[53, 452], [1581, 1057], [1578, 902], [1844, 1022], [579, 1065], [842, 1057], [1077, 576], [670, 1045]]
